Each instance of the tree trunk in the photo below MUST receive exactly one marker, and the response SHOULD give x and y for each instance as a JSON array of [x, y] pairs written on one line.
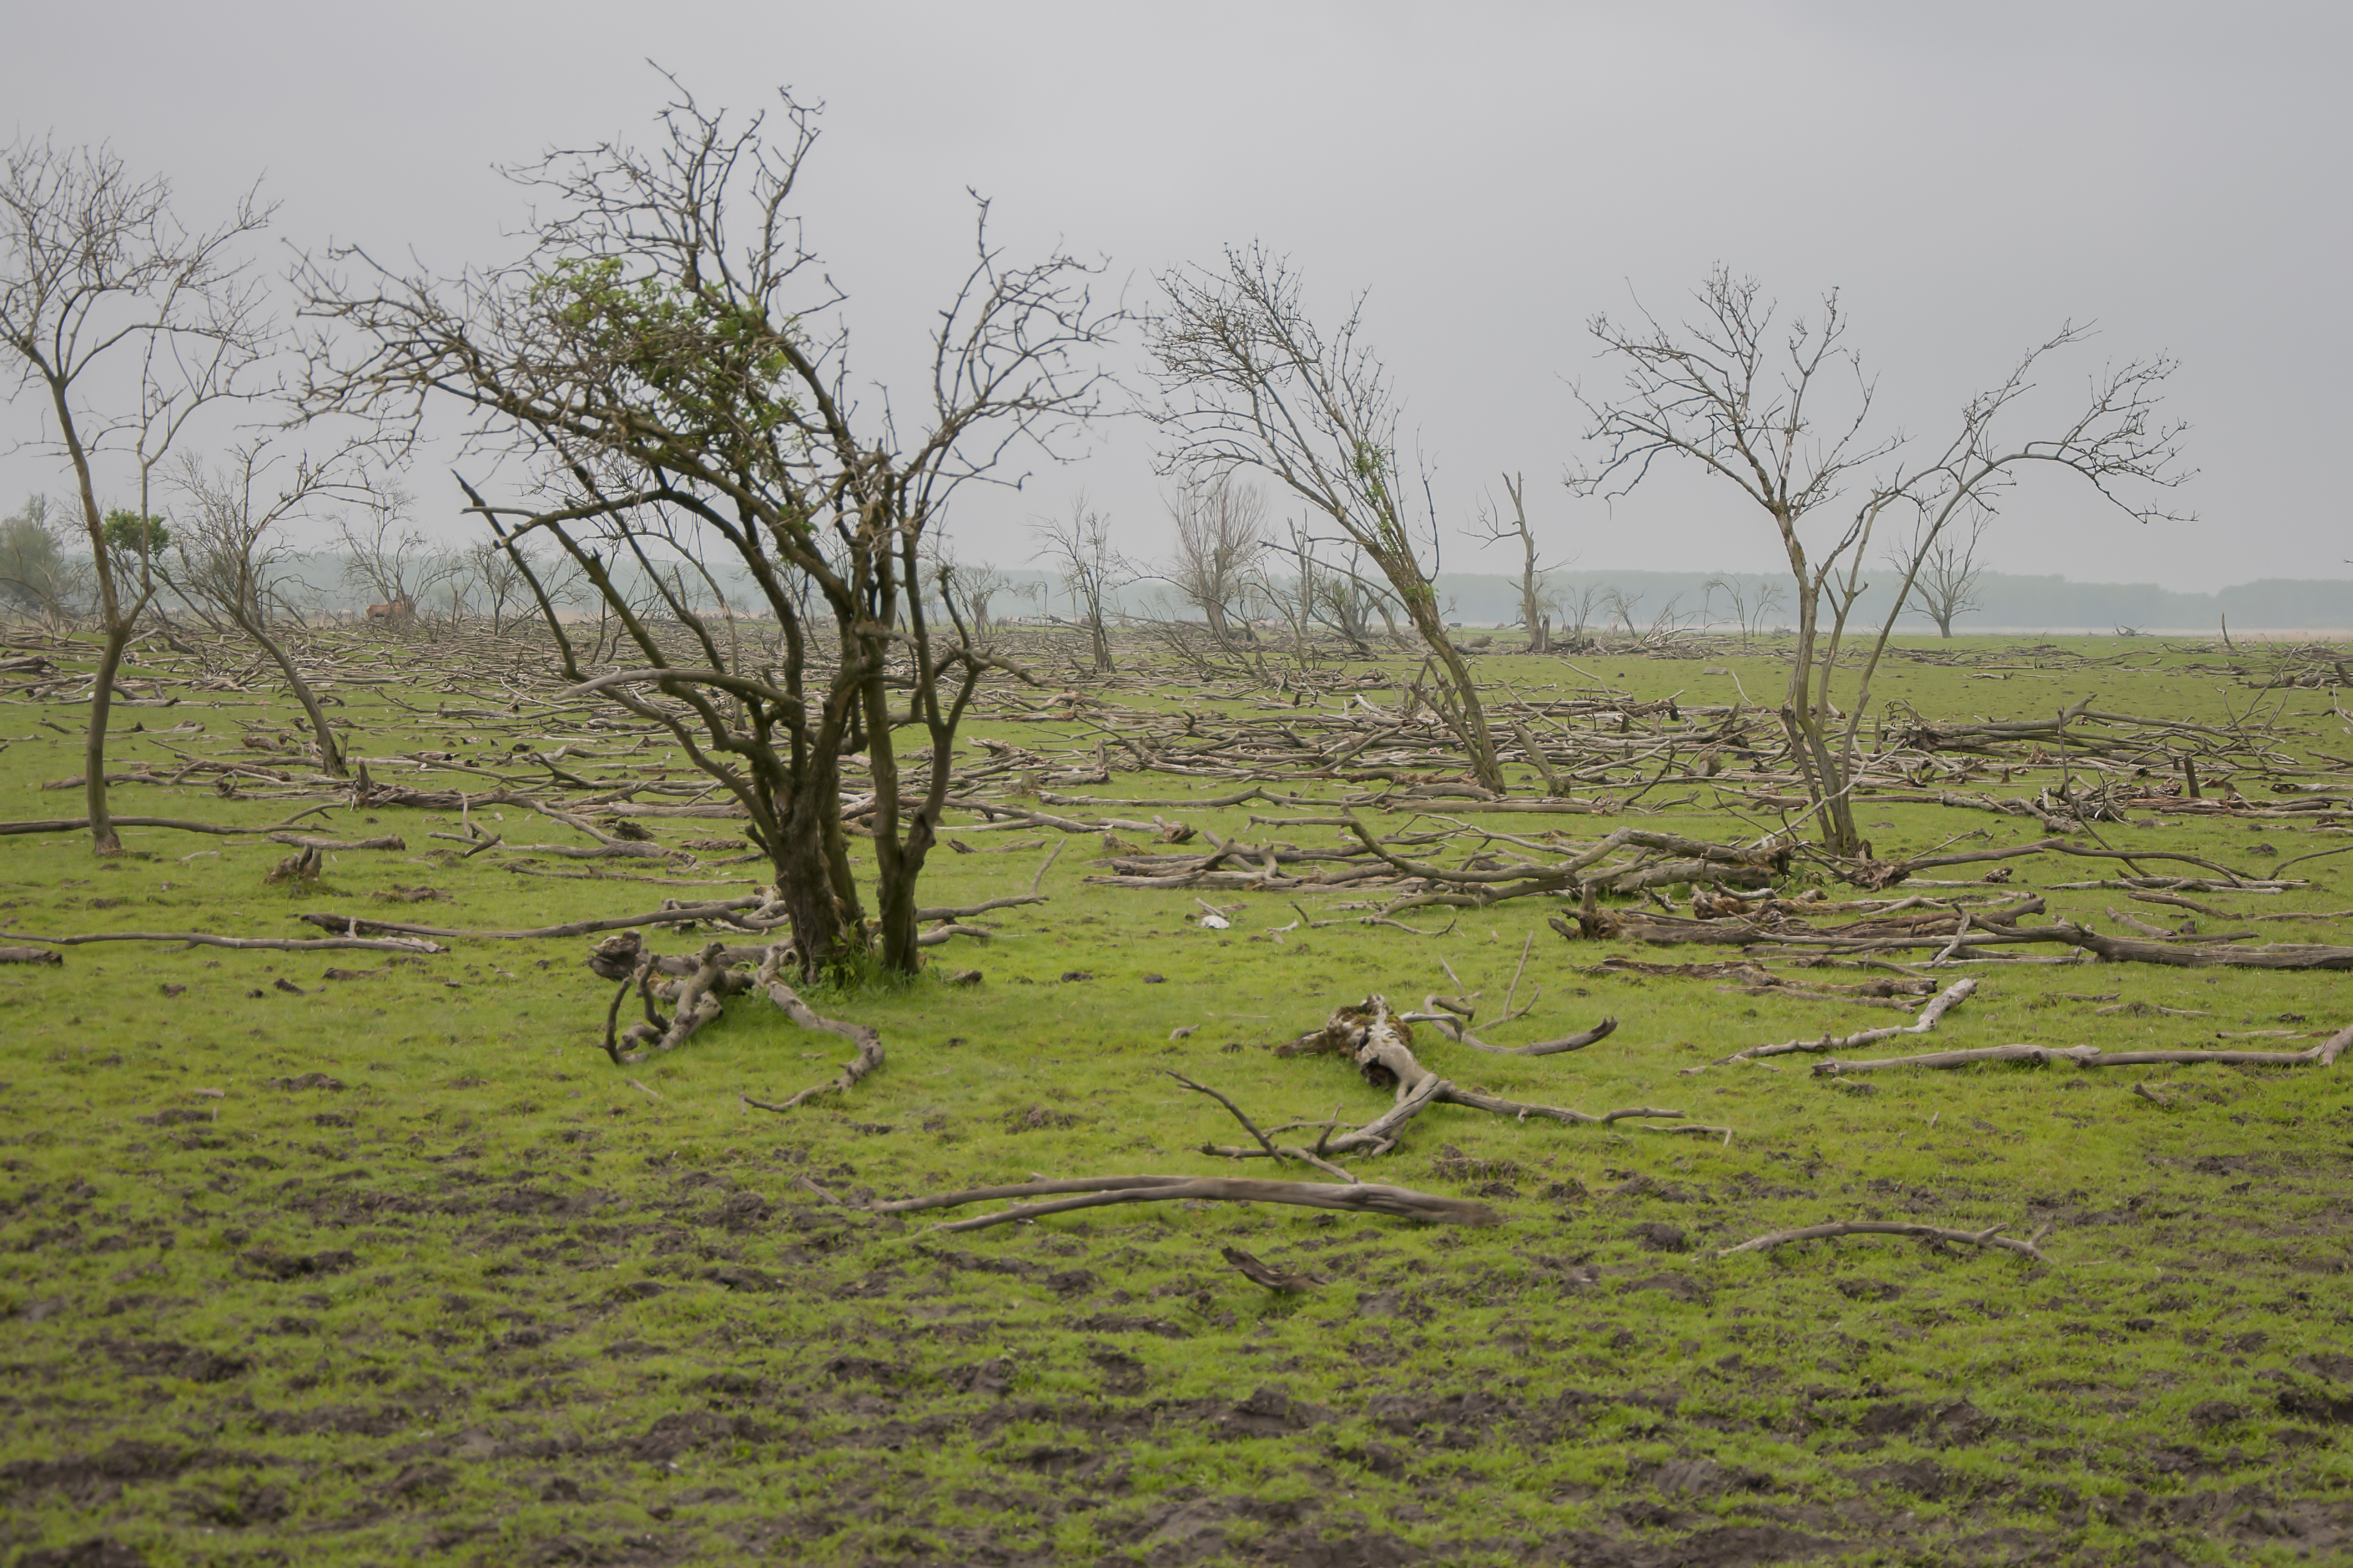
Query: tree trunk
[[103, 839], [812, 874], [1422, 607], [897, 866], [331, 756]]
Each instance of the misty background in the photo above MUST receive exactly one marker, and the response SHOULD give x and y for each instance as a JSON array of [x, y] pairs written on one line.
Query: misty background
[[1486, 178]]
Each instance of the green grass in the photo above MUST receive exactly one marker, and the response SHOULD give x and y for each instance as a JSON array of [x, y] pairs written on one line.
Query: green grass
[[582, 1322]]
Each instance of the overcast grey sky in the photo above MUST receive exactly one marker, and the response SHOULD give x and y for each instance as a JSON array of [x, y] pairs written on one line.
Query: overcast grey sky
[[1491, 175]]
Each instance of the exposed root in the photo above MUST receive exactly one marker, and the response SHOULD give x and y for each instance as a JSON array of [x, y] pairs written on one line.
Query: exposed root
[[869, 1043]]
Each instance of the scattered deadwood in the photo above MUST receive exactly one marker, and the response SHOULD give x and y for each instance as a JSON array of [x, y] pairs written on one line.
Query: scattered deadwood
[[30, 955], [2124, 950], [1942, 1003], [1458, 1031], [310, 841], [1360, 1197], [1380, 1045], [78, 824], [2321, 1055], [1888, 873], [256, 944], [729, 910], [1935, 1233], [699, 996]]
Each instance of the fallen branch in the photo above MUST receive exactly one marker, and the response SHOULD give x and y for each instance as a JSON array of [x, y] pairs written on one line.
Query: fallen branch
[[1943, 1002], [2321, 1055], [352, 925], [1893, 1227], [867, 1041], [1363, 1197], [1380, 1044], [1265, 1143], [2123, 950], [257, 944], [76, 824]]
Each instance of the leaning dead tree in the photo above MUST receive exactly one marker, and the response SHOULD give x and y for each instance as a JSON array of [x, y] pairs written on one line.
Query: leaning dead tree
[[1249, 382], [230, 554], [1718, 392], [654, 357], [125, 324]]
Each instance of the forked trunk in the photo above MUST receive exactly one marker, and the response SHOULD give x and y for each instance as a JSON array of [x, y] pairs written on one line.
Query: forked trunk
[[813, 882]]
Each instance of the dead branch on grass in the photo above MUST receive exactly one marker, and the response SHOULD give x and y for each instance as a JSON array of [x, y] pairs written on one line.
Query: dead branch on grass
[[1933, 1233], [1362, 1197]]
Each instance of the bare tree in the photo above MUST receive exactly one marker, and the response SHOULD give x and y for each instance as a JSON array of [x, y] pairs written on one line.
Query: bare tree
[[231, 552], [1581, 610], [1716, 392], [1751, 603], [976, 586], [502, 575], [1945, 584], [1537, 595], [1620, 605], [101, 286], [1077, 550], [655, 358], [386, 556], [1220, 535], [1249, 382]]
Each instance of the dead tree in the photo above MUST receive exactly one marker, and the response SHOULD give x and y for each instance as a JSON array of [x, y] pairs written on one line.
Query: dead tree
[[231, 556], [1220, 535], [975, 587], [1079, 551], [128, 324], [1249, 382], [1947, 584], [1535, 594], [1715, 391], [386, 557], [653, 358], [1751, 604]]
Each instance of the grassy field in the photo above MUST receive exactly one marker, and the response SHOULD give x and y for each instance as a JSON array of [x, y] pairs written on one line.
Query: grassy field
[[365, 1257]]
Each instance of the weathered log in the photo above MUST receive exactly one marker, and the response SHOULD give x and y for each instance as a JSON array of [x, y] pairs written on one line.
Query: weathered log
[[2321, 1055], [1361, 1198]]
